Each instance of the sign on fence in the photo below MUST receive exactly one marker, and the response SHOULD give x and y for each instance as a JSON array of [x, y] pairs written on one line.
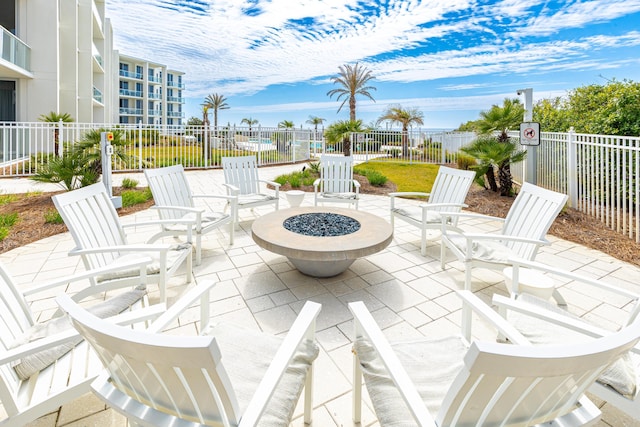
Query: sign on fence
[[530, 133]]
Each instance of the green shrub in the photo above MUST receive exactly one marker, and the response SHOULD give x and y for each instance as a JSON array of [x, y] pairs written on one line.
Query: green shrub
[[7, 220], [4, 232], [297, 179], [133, 197], [129, 183], [5, 199], [52, 216], [376, 178], [465, 162]]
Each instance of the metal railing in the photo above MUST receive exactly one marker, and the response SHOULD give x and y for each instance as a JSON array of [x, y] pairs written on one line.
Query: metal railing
[[14, 50], [598, 172]]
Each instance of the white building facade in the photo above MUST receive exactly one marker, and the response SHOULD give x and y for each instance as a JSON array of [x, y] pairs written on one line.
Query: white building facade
[[58, 56], [149, 93]]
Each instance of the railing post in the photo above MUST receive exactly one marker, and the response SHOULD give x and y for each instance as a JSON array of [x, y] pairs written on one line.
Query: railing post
[[60, 140], [572, 169], [140, 145], [206, 148]]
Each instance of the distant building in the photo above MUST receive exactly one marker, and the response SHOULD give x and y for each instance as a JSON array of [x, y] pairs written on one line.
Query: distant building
[[149, 93], [58, 55]]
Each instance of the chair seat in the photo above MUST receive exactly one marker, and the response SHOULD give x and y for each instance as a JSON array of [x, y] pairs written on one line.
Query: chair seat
[[209, 219], [444, 359], [175, 254], [622, 375], [345, 196], [488, 251], [415, 213], [249, 355]]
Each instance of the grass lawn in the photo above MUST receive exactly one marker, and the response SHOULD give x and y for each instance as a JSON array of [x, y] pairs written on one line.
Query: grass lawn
[[407, 176]]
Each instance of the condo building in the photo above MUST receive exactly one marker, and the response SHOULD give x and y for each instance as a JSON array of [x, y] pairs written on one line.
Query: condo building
[[58, 55]]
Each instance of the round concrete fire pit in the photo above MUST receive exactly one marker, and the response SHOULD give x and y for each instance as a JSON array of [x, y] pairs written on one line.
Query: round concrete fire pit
[[321, 241]]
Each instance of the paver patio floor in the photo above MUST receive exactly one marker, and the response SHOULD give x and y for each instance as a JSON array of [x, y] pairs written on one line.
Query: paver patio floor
[[408, 294]]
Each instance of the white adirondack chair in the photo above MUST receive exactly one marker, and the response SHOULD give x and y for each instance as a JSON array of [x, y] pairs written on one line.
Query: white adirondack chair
[[45, 365], [101, 241], [451, 381], [336, 183], [173, 199], [242, 181], [544, 323], [523, 232], [447, 195], [227, 377]]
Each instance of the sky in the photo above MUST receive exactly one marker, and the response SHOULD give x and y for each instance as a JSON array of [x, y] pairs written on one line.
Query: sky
[[451, 59]]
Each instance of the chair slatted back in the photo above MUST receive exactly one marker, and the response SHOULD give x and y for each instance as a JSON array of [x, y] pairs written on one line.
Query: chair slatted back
[[92, 221], [15, 319], [180, 375], [336, 174], [242, 172], [531, 215], [169, 187], [503, 384], [451, 186]]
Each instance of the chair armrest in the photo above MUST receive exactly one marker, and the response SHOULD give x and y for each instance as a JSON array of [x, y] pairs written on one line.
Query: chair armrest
[[303, 328], [443, 205], [15, 354], [492, 317], [233, 190], [274, 184], [408, 194], [201, 291], [214, 196], [367, 327], [177, 208], [473, 216], [356, 184], [160, 222], [143, 247], [142, 262]]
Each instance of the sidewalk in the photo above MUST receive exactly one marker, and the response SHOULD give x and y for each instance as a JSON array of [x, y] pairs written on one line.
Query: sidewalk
[[408, 294]]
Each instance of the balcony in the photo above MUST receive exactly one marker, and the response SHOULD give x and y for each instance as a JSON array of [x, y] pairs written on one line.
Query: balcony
[[175, 99], [155, 79], [175, 114], [155, 112], [15, 56], [97, 95], [171, 83], [131, 93], [131, 111], [155, 95], [130, 74]]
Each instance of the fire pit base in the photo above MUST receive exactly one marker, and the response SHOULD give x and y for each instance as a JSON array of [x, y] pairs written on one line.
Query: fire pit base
[[326, 255]]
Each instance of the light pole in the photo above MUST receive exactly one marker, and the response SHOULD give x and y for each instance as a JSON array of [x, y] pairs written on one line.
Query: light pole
[[531, 163]]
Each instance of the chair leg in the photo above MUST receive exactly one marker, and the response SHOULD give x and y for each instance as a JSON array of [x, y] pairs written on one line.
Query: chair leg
[[308, 396], [198, 248], [423, 242], [443, 250], [356, 404], [467, 277]]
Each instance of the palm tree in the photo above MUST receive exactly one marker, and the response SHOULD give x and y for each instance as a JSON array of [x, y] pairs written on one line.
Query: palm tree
[[341, 131], [250, 122], [493, 154], [286, 124], [405, 117], [501, 119], [216, 102], [205, 128], [54, 117], [353, 81], [315, 121]]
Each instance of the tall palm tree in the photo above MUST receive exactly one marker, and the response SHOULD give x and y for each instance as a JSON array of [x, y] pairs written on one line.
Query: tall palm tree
[[205, 128], [249, 122], [54, 117], [286, 124], [341, 131], [405, 117], [353, 81], [216, 102], [315, 121], [501, 118]]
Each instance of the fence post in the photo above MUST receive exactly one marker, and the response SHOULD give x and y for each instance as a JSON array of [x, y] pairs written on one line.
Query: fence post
[[572, 169], [140, 144], [60, 140]]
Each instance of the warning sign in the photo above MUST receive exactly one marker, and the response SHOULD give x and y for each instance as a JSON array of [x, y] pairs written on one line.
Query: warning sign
[[530, 133]]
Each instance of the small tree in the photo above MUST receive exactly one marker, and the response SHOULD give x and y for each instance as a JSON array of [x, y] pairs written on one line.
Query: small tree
[[494, 155], [341, 131], [54, 117]]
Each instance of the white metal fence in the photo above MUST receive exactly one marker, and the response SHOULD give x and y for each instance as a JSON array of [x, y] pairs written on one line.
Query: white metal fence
[[600, 173]]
